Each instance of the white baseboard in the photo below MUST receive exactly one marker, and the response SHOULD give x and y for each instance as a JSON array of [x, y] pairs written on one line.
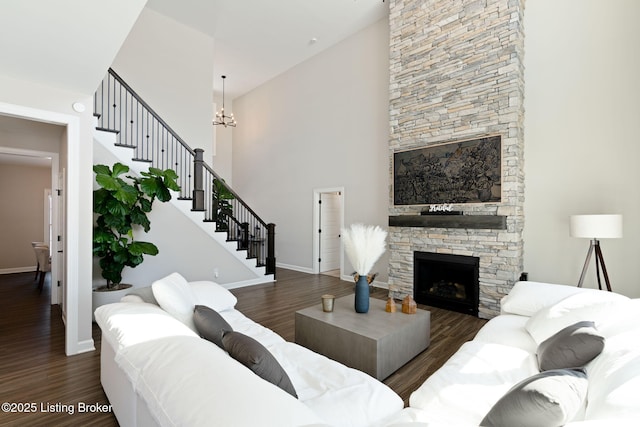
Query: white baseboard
[[295, 268], [80, 347], [17, 270], [251, 282]]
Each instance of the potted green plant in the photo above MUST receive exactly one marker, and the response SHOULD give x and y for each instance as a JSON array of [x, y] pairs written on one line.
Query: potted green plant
[[122, 204], [222, 208]]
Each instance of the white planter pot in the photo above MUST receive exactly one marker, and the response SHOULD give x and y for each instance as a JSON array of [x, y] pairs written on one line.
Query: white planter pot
[[107, 297]]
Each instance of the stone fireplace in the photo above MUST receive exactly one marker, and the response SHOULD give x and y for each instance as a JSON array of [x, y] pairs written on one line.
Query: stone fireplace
[[456, 73]]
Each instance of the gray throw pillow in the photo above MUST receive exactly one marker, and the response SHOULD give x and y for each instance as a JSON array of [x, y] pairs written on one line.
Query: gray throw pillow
[[256, 357], [210, 325], [146, 294], [550, 398], [572, 347]]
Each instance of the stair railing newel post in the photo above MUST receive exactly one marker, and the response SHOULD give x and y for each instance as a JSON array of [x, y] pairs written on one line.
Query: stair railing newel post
[[198, 184], [244, 237], [271, 249]]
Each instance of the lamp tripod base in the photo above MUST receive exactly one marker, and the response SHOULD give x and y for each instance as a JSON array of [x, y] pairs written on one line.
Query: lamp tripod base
[[595, 246]]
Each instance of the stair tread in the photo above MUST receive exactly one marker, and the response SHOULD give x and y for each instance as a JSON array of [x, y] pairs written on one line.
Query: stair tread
[[107, 130]]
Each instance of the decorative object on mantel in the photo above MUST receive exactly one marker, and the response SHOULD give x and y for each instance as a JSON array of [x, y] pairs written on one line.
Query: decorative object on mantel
[[221, 117], [440, 210], [390, 307], [466, 171], [363, 245], [409, 306], [596, 227]]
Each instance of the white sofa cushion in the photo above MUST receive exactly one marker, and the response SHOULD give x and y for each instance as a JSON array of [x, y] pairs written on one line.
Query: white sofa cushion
[[595, 306], [343, 396], [472, 381], [622, 317], [526, 298], [241, 323], [125, 324], [213, 295], [175, 296], [614, 380], [507, 329], [190, 381]]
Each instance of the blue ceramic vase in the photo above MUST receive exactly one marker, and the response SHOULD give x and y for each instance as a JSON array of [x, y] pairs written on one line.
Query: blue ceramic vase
[[362, 295]]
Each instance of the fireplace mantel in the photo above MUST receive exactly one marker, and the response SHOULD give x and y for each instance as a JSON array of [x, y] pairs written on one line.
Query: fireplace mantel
[[492, 222]]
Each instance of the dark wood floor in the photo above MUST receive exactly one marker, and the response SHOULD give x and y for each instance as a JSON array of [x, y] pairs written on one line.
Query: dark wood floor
[[35, 370]]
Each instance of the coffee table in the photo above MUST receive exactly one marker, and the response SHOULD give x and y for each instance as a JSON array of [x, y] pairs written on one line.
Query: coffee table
[[377, 342]]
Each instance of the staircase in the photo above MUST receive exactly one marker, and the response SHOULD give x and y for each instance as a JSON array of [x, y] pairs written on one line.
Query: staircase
[[204, 197]]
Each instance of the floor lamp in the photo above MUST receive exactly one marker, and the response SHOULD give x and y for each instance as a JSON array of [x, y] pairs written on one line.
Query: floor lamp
[[596, 227]]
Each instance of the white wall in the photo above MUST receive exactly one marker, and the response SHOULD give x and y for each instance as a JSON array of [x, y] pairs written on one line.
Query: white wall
[[322, 124], [22, 211], [582, 133], [171, 67]]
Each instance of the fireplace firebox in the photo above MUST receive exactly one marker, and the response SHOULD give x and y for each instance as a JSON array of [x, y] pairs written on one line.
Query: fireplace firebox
[[446, 281]]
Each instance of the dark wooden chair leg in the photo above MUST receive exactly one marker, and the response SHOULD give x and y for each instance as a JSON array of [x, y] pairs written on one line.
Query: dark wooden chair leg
[[41, 281]]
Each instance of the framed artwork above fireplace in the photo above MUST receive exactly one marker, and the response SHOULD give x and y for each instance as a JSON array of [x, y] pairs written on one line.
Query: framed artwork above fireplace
[[466, 171]]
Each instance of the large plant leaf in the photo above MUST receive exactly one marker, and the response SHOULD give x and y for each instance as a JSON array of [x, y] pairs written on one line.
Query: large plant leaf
[[139, 248], [108, 182], [163, 194], [100, 197], [170, 180], [145, 205], [150, 186], [119, 169], [140, 218], [126, 194], [102, 169]]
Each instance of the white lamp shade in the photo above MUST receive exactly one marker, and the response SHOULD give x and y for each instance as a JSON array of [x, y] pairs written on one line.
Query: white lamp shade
[[596, 226]]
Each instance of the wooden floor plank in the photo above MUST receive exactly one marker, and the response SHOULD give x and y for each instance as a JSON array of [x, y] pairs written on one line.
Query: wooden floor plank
[[34, 368]]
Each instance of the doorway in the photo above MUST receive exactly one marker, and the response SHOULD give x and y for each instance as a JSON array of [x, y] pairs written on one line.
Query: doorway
[[328, 220], [78, 337], [27, 159]]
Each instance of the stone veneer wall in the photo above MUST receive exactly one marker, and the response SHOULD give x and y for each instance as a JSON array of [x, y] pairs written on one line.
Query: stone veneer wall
[[456, 72]]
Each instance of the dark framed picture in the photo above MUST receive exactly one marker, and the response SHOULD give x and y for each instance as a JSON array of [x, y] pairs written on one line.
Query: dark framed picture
[[467, 171]]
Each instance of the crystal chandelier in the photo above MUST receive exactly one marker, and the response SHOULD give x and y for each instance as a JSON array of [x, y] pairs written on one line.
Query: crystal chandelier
[[221, 117]]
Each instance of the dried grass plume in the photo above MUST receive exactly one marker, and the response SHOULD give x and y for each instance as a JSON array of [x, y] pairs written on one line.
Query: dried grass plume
[[364, 244]]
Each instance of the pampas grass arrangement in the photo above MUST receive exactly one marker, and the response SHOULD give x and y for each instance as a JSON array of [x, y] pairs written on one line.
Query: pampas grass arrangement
[[364, 244]]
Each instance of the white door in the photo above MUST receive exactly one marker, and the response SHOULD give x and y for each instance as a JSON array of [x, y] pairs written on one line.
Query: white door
[[330, 215]]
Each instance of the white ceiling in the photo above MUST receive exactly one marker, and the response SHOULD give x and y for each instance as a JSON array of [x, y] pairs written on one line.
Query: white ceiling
[[256, 40], [67, 44]]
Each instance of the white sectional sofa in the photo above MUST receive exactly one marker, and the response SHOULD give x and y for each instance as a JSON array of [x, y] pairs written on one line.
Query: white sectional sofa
[[156, 370], [507, 351]]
